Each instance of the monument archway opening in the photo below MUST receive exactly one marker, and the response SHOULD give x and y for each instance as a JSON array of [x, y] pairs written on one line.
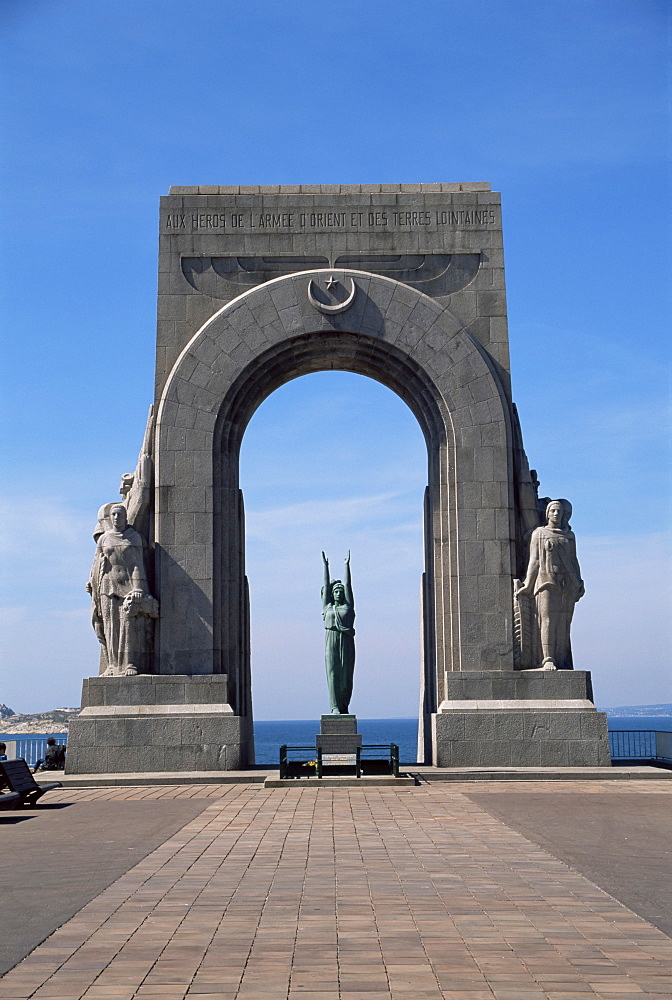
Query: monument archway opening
[[333, 461], [313, 351]]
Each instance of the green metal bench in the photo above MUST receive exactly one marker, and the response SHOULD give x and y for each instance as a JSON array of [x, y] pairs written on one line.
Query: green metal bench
[[308, 765], [378, 763], [370, 759]]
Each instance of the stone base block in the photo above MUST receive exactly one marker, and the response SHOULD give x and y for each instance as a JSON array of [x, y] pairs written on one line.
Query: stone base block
[[338, 734], [520, 718], [551, 689], [338, 744], [338, 725], [529, 738], [157, 723], [156, 693]]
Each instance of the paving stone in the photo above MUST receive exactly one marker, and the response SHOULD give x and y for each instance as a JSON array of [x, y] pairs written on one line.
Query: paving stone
[[350, 892]]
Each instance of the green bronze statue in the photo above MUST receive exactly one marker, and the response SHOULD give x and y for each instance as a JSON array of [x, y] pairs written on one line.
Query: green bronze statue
[[338, 611]]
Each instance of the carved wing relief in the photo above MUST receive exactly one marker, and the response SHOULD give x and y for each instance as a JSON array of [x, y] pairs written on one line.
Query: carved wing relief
[[435, 274]]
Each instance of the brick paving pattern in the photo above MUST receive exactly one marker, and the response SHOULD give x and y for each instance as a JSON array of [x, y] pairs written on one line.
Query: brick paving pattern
[[338, 894]]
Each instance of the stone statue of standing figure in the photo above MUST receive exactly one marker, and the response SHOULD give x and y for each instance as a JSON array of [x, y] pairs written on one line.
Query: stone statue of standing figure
[[338, 611], [554, 581], [122, 607]]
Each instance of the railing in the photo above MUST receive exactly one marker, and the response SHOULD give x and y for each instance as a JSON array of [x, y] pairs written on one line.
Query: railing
[[664, 746], [32, 747], [644, 744], [624, 744]]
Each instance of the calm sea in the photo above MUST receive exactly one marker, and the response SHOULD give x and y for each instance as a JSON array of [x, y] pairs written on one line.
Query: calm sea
[[269, 736]]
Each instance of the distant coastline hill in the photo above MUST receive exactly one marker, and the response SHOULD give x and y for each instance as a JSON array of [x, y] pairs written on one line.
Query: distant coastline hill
[[638, 710], [56, 721]]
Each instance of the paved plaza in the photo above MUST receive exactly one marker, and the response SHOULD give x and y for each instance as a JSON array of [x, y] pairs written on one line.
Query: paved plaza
[[531, 891]]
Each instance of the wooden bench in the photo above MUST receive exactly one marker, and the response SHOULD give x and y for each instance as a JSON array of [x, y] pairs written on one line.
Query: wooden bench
[[18, 777]]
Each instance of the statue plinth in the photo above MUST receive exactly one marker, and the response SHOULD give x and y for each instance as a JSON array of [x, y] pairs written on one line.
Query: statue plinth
[[525, 718], [153, 722], [338, 734]]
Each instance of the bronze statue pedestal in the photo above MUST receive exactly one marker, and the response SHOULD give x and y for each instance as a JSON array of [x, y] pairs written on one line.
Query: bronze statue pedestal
[[338, 734]]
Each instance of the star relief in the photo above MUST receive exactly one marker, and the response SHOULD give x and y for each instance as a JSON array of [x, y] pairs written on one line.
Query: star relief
[[331, 281]]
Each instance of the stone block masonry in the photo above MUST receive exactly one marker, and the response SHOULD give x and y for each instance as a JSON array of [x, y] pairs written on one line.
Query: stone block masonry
[[402, 283]]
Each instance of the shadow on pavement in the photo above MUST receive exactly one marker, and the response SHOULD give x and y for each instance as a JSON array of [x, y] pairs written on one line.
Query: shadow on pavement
[[618, 840], [67, 854]]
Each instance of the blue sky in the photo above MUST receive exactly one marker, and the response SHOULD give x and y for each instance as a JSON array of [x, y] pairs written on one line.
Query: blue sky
[[563, 107]]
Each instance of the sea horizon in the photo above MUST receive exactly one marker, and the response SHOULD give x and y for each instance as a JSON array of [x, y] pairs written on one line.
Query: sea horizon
[[270, 734]]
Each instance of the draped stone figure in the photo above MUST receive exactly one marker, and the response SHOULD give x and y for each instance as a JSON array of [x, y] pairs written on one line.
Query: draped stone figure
[[553, 581], [338, 611], [122, 607]]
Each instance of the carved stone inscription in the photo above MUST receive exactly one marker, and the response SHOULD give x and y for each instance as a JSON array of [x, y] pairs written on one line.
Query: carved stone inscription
[[320, 220]]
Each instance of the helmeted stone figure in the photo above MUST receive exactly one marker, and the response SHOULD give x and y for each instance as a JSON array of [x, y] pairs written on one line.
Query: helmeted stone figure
[[122, 607], [338, 611], [554, 580]]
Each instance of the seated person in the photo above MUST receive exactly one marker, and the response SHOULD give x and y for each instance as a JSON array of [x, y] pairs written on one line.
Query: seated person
[[54, 758], [3, 751]]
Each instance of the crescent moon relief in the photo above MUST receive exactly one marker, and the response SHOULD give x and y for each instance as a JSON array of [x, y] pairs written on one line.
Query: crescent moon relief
[[337, 307]]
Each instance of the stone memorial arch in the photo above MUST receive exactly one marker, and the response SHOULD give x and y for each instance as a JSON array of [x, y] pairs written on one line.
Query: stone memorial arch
[[401, 283]]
